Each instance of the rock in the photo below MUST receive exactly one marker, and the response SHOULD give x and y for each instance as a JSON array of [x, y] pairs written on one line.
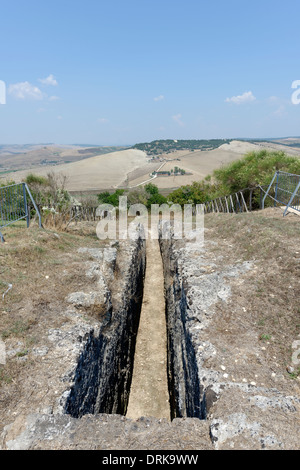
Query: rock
[[242, 415]]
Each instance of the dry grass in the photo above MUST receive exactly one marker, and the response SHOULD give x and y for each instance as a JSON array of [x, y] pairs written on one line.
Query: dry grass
[[43, 267], [268, 302]]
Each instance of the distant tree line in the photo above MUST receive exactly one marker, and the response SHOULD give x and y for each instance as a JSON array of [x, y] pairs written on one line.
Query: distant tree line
[[166, 146], [175, 171]]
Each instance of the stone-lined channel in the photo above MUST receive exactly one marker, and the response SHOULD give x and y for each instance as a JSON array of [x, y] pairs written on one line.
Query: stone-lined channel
[[104, 374]]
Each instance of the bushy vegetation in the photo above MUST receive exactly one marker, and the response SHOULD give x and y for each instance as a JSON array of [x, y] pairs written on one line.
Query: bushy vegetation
[[49, 192], [256, 168], [113, 199], [147, 196], [153, 195], [50, 195]]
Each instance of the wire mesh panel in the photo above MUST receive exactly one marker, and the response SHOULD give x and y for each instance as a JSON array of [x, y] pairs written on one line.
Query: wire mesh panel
[[13, 205], [284, 189], [288, 190]]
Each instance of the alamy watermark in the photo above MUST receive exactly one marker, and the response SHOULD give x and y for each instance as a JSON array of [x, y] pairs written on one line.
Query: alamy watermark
[[296, 93], [2, 92], [161, 221]]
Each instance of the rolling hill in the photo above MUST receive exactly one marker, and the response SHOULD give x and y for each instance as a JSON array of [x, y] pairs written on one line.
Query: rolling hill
[[97, 168]]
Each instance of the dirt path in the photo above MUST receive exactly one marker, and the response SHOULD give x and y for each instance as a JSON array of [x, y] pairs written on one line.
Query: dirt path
[[149, 390]]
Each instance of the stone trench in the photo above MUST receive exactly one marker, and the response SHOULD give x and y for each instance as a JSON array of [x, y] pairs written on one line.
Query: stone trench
[[91, 410]]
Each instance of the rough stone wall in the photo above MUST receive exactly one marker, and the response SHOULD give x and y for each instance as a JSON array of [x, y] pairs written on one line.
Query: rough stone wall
[[103, 375], [184, 386], [241, 413]]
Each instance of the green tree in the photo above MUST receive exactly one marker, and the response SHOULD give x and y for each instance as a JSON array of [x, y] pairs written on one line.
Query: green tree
[[151, 189], [113, 199]]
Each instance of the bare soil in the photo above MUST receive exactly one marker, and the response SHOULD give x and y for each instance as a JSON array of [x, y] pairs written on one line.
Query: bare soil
[[266, 304]]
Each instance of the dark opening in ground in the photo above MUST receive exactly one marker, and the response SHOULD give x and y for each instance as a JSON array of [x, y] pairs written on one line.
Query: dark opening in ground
[[104, 372]]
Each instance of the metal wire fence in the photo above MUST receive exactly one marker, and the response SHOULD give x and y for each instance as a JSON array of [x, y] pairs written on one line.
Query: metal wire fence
[[287, 190], [12, 204], [14, 207], [284, 190], [246, 200]]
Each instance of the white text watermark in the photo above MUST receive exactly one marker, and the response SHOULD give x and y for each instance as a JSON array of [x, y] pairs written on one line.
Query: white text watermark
[[296, 93], [161, 221], [2, 92]]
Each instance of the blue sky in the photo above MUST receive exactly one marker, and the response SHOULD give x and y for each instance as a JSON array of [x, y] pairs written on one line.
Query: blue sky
[[120, 72]]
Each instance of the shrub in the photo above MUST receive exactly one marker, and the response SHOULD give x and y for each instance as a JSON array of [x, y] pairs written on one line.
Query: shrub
[[256, 168]]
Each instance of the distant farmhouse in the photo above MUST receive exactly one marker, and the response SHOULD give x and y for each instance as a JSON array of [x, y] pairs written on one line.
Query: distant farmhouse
[[174, 172]]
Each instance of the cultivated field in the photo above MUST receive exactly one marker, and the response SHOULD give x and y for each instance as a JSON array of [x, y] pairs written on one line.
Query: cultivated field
[[131, 168], [197, 164], [24, 157], [99, 172]]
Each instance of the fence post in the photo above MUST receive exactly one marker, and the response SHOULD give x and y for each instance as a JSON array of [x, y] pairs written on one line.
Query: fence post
[[25, 205], [250, 200], [268, 190], [237, 198], [221, 204], [292, 198], [232, 205], [34, 204], [276, 189], [226, 204], [244, 201]]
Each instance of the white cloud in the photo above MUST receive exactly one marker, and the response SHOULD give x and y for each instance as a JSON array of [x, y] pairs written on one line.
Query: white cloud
[[102, 120], [159, 98], [53, 98], [273, 99], [177, 119], [246, 97], [25, 90], [280, 112], [50, 81]]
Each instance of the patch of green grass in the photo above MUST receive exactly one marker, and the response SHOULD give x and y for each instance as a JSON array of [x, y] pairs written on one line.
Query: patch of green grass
[[4, 377], [265, 337], [17, 329], [22, 353], [295, 374], [39, 250]]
